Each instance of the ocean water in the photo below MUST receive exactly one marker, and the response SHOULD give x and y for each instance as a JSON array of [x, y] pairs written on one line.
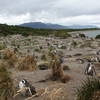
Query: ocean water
[[92, 34]]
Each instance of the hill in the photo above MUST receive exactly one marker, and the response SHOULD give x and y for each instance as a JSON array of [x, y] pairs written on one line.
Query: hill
[[54, 26]]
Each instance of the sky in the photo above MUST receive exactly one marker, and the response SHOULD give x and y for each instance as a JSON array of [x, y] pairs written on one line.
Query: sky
[[64, 12]]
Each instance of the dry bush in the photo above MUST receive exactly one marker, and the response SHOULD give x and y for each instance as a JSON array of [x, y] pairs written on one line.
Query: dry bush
[[6, 84], [8, 54], [27, 63], [10, 58], [55, 92], [58, 73], [50, 93]]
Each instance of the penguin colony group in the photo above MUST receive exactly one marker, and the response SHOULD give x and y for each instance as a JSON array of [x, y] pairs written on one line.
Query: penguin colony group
[[58, 73]]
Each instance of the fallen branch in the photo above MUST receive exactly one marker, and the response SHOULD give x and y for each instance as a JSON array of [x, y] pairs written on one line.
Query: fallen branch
[[21, 90], [39, 93]]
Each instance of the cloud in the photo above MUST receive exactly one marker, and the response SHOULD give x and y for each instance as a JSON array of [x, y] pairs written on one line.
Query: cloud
[[53, 11], [14, 20]]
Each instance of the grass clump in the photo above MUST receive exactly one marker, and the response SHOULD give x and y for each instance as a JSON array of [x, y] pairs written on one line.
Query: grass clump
[[27, 63], [88, 89], [6, 84], [10, 58]]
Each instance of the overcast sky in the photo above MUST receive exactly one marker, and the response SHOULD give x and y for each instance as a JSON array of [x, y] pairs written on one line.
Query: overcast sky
[[65, 12]]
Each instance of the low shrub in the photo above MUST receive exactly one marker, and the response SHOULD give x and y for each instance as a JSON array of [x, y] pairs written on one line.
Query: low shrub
[[97, 37], [88, 88]]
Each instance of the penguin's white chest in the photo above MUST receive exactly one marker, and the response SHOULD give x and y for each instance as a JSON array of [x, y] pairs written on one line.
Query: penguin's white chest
[[90, 68], [21, 85]]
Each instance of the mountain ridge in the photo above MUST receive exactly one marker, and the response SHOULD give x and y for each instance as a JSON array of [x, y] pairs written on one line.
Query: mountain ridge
[[42, 25]]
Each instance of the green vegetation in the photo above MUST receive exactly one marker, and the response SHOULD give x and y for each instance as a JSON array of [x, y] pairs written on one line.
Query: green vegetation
[[9, 30], [97, 37], [88, 88], [82, 35]]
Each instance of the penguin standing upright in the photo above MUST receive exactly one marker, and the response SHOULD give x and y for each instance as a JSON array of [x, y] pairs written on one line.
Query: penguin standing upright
[[90, 70]]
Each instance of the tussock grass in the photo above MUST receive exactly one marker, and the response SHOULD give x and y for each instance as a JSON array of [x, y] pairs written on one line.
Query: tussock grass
[[10, 58], [27, 63], [6, 84], [8, 53], [88, 88]]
